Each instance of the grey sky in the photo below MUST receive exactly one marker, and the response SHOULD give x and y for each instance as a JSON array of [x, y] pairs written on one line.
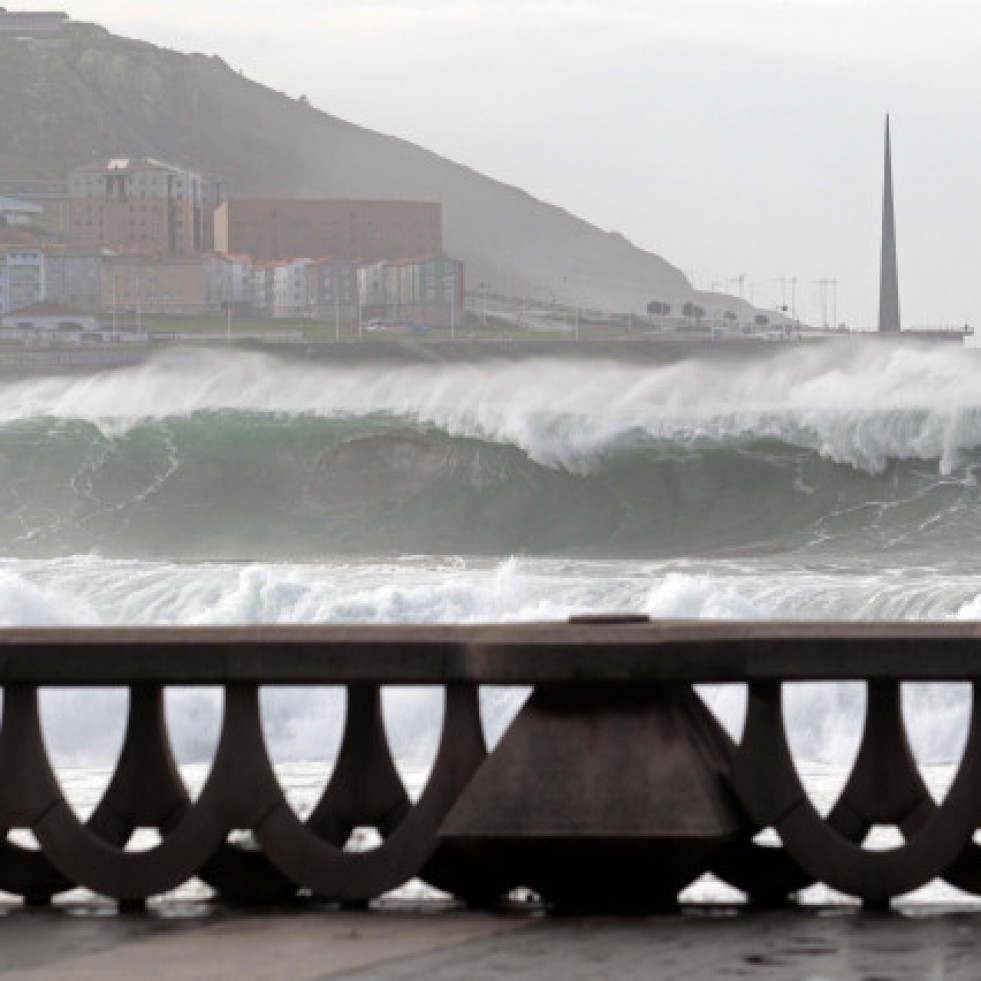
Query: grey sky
[[730, 136]]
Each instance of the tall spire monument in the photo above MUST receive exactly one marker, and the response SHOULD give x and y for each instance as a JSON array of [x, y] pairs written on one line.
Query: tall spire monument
[[889, 274]]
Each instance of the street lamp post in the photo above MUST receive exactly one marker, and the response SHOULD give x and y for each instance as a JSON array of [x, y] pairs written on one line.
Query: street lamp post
[[453, 289], [229, 289]]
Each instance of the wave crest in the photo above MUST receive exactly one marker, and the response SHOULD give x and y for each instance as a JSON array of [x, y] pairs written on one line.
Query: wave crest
[[858, 406]]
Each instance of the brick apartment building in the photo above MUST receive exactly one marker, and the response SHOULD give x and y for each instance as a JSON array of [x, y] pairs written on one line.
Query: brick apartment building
[[140, 205], [365, 230]]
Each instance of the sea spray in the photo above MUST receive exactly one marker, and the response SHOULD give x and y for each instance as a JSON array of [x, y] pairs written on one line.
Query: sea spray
[[84, 728], [858, 406]]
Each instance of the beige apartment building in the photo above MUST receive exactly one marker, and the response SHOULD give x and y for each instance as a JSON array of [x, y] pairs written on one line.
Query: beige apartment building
[[154, 284], [365, 230]]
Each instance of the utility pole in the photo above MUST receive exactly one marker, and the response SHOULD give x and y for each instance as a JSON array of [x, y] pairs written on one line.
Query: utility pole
[[824, 284], [228, 303], [456, 281], [360, 335], [783, 290]]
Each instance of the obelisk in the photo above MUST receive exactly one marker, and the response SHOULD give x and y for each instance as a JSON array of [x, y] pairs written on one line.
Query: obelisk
[[889, 275]]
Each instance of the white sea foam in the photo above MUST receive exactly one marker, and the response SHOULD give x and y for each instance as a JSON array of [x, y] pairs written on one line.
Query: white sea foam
[[860, 408], [824, 720]]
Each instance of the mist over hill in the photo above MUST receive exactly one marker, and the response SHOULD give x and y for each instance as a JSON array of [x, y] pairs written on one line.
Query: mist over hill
[[86, 94]]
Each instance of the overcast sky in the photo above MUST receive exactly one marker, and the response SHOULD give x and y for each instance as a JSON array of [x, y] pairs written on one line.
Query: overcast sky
[[733, 137]]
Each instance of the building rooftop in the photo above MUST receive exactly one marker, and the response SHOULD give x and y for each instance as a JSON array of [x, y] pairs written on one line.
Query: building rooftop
[[19, 207], [129, 163]]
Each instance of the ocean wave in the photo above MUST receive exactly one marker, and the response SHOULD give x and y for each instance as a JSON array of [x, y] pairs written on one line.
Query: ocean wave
[[858, 406], [238, 485]]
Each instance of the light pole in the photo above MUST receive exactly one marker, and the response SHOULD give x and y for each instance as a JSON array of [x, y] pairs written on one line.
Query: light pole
[[228, 304], [453, 289], [360, 335]]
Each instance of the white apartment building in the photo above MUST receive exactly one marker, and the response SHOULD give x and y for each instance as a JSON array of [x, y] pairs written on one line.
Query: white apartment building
[[22, 280]]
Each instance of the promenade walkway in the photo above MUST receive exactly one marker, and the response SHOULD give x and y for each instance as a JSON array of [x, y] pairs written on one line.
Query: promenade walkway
[[190, 942]]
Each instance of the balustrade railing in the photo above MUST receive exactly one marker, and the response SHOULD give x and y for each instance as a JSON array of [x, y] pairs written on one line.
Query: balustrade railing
[[614, 786]]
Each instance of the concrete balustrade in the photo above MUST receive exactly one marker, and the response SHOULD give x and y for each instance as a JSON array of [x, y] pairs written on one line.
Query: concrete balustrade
[[614, 787]]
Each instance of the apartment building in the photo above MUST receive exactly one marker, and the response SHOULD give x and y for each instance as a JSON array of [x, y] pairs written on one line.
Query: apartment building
[[353, 230], [229, 278], [141, 206], [22, 280], [290, 295], [51, 197], [332, 288], [154, 284], [372, 282], [415, 287], [18, 214], [73, 279]]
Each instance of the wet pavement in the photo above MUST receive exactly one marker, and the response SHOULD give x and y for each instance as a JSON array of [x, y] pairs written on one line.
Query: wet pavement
[[184, 940]]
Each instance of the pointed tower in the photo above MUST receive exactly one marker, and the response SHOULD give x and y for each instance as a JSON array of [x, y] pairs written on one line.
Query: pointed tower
[[889, 275]]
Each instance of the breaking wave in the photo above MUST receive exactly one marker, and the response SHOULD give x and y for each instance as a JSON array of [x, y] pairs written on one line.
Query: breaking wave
[[243, 456]]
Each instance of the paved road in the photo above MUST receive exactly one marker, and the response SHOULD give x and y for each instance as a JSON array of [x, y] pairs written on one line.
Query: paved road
[[185, 942]]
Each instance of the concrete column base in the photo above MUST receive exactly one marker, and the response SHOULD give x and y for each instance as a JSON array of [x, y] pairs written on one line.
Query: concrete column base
[[609, 798]]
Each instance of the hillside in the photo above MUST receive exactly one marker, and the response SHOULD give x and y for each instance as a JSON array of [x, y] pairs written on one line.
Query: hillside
[[90, 94]]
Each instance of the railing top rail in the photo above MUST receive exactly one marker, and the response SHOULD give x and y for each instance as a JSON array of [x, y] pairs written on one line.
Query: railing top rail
[[598, 652]]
